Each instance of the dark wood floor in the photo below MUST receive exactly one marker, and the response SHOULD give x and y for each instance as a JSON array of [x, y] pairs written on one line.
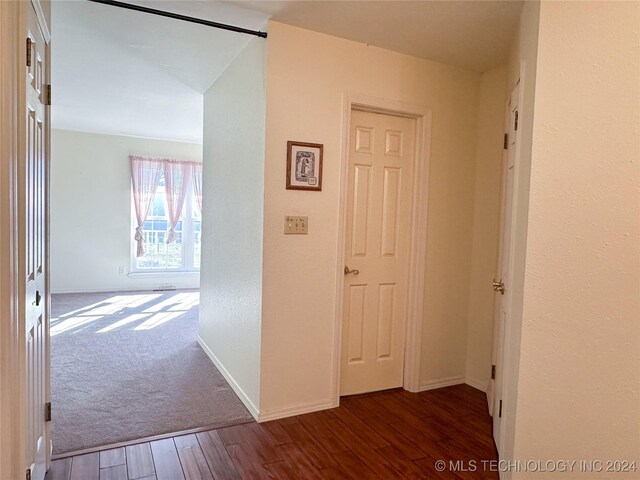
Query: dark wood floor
[[387, 435]]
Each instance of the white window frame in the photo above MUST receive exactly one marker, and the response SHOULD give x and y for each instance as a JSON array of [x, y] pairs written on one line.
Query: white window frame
[[188, 231]]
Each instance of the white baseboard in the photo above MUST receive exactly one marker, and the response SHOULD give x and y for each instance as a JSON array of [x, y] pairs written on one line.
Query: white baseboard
[[135, 288], [253, 410], [440, 382], [285, 412], [475, 383]]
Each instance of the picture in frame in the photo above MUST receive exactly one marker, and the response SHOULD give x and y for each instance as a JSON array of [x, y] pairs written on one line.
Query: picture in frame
[[304, 166]]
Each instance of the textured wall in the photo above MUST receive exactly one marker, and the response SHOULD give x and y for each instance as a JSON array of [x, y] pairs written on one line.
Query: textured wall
[[307, 75], [579, 380], [231, 271]]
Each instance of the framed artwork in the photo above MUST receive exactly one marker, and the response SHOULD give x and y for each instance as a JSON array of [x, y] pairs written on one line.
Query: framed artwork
[[304, 166]]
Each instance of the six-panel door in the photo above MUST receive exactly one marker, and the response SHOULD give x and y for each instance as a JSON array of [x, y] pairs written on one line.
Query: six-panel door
[[33, 265], [381, 157]]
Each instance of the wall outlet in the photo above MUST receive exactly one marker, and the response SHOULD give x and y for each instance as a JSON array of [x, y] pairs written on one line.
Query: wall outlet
[[296, 225], [122, 271]]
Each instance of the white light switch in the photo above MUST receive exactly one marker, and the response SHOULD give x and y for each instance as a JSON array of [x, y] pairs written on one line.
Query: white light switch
[[296, 225]]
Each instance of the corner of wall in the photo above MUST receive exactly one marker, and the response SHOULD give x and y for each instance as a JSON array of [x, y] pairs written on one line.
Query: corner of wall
[[486, 225], [233, 216]]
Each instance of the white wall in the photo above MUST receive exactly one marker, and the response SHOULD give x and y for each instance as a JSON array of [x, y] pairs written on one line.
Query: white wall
[[486, 226], [233, 184], [579, 371], [307, 75], [91, 211]]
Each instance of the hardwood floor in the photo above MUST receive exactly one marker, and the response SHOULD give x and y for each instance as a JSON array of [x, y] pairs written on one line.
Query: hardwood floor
[[385, 435]]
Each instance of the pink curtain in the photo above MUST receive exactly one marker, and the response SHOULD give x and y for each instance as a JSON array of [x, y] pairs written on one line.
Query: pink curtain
[[176, 184], [197, 185], [145, 176]]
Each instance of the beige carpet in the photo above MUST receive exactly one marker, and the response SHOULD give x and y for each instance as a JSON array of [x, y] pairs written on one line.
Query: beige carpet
[[127, 365]]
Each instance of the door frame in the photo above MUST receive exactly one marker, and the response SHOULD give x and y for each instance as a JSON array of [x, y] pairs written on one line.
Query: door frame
[[10, 86], [13, 27], [417, 255]]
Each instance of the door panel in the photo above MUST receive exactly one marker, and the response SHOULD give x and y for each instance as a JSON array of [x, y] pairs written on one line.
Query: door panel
[[390, 210], [33, 211], [377, 245], [360, 223], [504, 267]]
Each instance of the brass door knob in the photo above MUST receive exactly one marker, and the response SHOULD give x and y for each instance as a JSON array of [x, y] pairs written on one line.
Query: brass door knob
[[498, 287]]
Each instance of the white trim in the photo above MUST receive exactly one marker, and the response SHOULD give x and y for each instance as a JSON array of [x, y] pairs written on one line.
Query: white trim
[[11, 437], [137, 288], [115, 134], [163, 273], [301, 409], [478, 384], [440, 383], [253, 410], [42, 21], [419, 207]]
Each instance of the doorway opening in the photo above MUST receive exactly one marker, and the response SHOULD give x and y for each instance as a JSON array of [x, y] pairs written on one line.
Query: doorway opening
[[126, 227]]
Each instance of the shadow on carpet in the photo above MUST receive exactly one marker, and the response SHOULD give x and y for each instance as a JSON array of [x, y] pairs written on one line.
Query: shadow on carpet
[[126, 366]]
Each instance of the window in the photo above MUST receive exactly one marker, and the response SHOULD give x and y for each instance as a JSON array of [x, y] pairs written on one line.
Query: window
[[166, 249]]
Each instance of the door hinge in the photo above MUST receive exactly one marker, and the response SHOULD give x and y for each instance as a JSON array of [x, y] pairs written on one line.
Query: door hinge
[[29, 48], [47, 412], [47, 94], [505, 145], [500, 410], [515, 123], [28, 475], [493, 372]]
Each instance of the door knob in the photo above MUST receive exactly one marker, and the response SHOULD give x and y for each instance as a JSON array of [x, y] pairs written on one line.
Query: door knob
[[498, 287], [38, 298], [347, 271]]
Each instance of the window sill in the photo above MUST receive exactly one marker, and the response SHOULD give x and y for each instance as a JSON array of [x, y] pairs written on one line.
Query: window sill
[[165, 273]]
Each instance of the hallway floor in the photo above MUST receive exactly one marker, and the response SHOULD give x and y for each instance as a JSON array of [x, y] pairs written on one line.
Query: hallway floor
[[130, 363], [386, 435]]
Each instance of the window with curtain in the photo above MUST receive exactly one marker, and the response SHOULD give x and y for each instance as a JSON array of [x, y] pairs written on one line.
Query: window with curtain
[[167, 199]]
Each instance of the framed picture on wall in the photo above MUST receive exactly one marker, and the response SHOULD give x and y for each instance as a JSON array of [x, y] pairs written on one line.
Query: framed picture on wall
[[304, 166]]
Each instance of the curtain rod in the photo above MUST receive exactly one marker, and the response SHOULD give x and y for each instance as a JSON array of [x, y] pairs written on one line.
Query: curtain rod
[[177, 16]]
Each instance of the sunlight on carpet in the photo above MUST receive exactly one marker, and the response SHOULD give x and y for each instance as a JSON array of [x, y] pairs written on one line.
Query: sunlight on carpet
[[127, 365]]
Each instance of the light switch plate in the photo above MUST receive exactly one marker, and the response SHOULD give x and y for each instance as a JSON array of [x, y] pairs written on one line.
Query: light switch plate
[[296, 225]]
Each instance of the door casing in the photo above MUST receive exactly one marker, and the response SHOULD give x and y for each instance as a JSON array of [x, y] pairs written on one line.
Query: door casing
[[13, 31], [419, 208]]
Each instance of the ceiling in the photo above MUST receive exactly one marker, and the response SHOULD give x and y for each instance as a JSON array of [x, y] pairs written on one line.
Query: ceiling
[[118, 71], [123, 72], [473, 34]]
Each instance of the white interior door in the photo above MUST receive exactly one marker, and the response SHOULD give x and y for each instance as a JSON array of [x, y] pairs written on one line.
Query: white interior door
[[381, 158], [33, 220], [503, 282]]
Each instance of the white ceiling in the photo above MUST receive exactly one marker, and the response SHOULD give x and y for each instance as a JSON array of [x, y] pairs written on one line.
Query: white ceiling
[[474, 34], [124, 72]]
